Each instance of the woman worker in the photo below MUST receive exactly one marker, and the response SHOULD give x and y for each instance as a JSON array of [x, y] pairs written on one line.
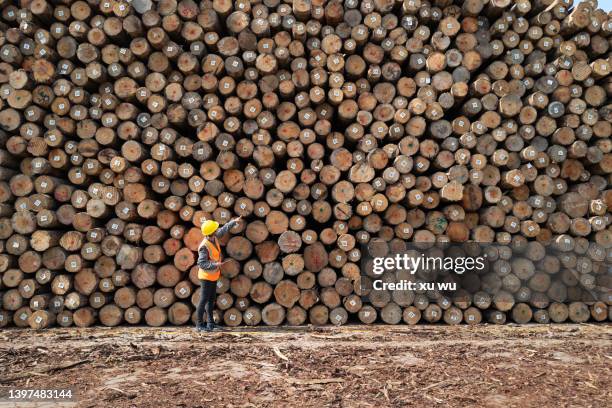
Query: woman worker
[[209, 264]]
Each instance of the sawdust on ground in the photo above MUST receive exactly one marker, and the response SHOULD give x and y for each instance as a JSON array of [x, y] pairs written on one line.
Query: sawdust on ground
[[350, 366]]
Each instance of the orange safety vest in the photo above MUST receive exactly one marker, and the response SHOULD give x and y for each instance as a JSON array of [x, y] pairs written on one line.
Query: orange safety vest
[[214, 254]]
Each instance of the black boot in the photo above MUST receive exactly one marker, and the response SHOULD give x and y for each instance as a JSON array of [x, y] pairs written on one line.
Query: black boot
[[200, 327], [213, 327]]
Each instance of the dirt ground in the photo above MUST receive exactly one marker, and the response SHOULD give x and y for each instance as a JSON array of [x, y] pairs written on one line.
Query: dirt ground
[[351, 366]]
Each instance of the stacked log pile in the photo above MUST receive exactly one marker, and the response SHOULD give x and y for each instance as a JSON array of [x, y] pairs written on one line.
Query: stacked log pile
[[326, 125]]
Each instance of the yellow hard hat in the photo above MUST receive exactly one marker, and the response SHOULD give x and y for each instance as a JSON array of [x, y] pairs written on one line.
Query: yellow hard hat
[[209, 227]]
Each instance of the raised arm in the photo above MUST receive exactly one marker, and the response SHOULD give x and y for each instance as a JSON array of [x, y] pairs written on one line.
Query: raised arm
[[225, 229]]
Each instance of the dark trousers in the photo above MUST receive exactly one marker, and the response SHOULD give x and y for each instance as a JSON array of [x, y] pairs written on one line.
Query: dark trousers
[[207, 301]]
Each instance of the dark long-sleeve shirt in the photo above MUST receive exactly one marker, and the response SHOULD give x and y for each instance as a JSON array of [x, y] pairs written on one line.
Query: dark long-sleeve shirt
[[204, 261]]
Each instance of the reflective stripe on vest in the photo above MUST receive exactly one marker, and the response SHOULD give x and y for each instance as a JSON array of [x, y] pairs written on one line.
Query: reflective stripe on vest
[[214, 254]]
